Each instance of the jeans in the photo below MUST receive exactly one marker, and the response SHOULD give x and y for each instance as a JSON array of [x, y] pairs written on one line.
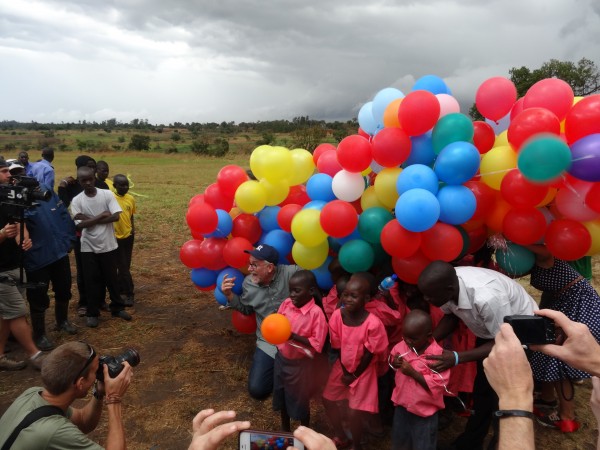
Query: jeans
[[260, 378], [412, 432], [100, 273]]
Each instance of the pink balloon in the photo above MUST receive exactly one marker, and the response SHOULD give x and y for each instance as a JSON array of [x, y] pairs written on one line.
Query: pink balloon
[[571, 201], [320, 149], [328, 163], [517, 108], [553, 94], [495, 97], [448, 104], [354, 153]]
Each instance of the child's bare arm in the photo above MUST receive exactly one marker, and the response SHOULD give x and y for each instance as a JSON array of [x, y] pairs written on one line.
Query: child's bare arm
[[410, 371], [109, 218]]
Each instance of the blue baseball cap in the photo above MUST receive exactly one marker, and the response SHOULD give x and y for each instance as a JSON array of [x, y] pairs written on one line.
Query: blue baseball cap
[[265, 252]]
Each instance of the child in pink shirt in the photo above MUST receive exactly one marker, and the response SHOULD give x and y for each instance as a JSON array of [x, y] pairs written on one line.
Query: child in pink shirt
[[419, 391], [362, 343], [294, 368], [332, 299]]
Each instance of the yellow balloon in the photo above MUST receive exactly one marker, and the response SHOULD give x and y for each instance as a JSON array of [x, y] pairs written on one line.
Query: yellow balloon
[[495, 164], [548, 198], [385, 186], [369, 199], [593, 226], [306, 227], [257, 158], [277, 164], [310, 257], [276, 191], [303, 166], [366, 172], [501, 139], [250, 196]]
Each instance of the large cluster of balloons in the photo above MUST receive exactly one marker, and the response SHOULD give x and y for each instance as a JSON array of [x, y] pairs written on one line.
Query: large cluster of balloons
[[420, 181]]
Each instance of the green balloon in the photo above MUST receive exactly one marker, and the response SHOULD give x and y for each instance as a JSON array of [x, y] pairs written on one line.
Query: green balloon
[[356, 256], [544, 158], [371, 222], [451, 128], [515, 260], [381, 257]]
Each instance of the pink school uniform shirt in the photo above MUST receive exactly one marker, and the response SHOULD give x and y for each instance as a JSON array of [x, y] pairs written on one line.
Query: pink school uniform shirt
[[307, 321], [330, 302], [410, 394], [352, 341], [391, 319]]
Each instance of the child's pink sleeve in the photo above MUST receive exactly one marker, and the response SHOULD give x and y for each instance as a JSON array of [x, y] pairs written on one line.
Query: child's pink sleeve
[[335, 329], [319, 330], [330, 302], [377, 341]]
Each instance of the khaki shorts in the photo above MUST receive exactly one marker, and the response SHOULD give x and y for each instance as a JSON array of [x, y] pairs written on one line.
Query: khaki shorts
[[12, 298]]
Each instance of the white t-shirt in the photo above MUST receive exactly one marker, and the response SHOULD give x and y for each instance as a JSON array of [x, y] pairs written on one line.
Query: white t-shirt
[[485, 297], [99, 238]]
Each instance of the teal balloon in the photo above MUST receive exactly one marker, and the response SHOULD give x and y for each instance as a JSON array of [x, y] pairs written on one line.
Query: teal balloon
[[451, 128], [371, 222], [356, 256], [544, 158], [381, 257], [515, 260]]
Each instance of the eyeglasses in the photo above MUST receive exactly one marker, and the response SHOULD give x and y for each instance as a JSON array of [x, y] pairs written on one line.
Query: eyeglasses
[[87, 363], [254, 265]]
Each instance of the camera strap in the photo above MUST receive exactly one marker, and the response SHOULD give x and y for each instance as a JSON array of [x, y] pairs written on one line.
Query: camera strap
[[33, 416]]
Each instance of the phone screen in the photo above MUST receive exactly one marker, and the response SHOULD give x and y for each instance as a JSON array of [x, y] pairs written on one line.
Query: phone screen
[[259, 440]]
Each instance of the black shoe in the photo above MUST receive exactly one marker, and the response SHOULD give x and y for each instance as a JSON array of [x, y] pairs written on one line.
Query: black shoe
[[91, 322], [128, 301], [67, 327], [122, 314], [43, 343]]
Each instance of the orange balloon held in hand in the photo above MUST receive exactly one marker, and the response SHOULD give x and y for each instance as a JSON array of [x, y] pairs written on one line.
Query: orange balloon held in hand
[[276, 328]]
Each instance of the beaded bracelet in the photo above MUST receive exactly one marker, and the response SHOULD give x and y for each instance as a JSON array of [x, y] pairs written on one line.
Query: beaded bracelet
[[112, 399]]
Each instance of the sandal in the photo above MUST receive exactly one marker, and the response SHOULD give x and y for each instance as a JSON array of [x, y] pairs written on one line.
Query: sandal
[[340, 444]]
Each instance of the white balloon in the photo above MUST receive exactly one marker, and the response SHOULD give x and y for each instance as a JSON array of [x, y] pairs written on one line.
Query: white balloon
[[348, 186]]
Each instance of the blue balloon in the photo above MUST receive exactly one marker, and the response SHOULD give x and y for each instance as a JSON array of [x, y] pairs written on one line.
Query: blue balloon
[[315, 204], [417, 210], [421, 150], [366, 120], [220, 297], [515, 260], [282, 241], [431, 83], [323, 275], [417, 176], [457, 162], [203, 277], [268, 218], [231, 272], [457, 204], [381, 101], [319, 187], [224, 225]]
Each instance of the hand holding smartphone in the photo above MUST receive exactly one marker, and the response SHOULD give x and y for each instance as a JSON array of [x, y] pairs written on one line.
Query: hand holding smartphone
[[532, 329], [267, 440]]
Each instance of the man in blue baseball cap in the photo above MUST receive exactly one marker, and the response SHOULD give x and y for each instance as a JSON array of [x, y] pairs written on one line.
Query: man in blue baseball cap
[[263, 290]]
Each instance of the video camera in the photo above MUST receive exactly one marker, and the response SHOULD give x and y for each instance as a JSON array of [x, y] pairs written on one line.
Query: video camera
[[23, 192]]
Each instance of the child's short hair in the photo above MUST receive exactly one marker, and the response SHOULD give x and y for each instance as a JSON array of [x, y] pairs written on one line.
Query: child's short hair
[[370, 279]]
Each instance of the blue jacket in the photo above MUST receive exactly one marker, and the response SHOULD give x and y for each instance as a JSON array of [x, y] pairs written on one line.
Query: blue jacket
[[51, 230]]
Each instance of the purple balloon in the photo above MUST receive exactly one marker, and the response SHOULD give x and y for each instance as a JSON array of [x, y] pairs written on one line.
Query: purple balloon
[[586, 158]]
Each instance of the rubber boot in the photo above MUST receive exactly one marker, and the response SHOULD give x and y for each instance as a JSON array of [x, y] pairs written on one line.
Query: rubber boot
[[61, 312], [38, 323]]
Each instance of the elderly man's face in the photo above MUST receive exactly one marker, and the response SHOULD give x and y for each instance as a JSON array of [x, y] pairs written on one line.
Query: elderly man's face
[[260, 271]]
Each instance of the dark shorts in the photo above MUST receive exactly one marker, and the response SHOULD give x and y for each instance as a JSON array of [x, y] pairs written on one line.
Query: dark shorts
[[293, 386]]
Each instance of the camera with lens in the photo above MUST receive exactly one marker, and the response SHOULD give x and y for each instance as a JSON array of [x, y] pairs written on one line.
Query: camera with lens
[[23, 192], [115, 363], [533, 329]]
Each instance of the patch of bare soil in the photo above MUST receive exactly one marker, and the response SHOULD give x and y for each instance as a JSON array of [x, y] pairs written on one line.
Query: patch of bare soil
[[192, 358]]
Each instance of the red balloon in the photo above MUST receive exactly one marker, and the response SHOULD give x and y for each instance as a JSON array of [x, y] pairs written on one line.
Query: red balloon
[[391, 147], [198, 198], [483, 136], [520, 192], [205, 288], [354, 153], [229, 179], [297, 195], [409, 269], [485, 197], [190, 254], [357, 206], [338, 218], [442, 241], [285, 216], [214, 196], [495, 97], [517, 108], [321, 148], [328, 163], [592, 199], [418, 112], [202, 218], [246, 226], [244, 324], [583, 118], [397, 241], [234, 252], [553, 94], [530, 122], [524, 226], [196, 235], [363, 133], [477, 238], [212, 253], [567, 239]]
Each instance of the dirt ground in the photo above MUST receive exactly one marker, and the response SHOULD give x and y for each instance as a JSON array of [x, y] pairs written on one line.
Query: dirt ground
[[192, 358]]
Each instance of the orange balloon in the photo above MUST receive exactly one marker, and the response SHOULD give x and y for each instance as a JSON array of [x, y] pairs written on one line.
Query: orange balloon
[[276, 328], [495, 219], [390, 115]]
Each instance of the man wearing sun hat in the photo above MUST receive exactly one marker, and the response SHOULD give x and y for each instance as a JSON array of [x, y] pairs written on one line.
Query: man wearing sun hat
[[264, 288]]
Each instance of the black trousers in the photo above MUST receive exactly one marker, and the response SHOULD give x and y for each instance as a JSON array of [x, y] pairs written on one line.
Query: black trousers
[[100, 272], [59, 274], [80, 278], [124, 253]]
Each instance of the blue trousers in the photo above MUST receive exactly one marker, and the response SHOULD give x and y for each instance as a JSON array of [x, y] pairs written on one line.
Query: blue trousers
[[412, 432], [260, 378]]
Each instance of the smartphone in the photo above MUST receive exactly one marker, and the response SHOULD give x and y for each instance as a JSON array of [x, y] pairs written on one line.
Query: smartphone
[[533, 329], [267, 440]]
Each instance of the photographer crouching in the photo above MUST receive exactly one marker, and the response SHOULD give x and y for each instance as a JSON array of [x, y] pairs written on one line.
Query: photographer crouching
[[43, 418]]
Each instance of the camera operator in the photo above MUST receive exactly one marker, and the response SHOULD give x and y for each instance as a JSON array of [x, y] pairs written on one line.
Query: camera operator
[[12, 303], [68, 374]]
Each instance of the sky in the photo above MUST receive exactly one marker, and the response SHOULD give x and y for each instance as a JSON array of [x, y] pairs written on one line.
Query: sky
[[256, 60]]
